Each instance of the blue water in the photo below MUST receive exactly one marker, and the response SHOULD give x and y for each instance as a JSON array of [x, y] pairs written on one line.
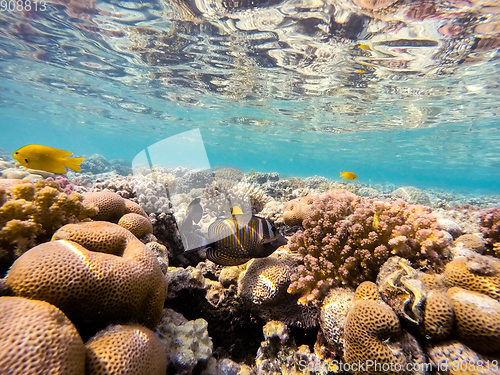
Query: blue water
[[67, 86]]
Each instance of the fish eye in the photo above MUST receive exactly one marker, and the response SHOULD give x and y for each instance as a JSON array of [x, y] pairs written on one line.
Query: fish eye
[[16, 152], [26, 160]]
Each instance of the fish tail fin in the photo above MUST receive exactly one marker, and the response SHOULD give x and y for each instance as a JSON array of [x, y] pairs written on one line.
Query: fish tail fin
[[73, 163], [341, 174]]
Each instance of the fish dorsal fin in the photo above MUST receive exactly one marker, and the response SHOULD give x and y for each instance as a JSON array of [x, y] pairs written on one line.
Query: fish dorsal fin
[[237, 211]]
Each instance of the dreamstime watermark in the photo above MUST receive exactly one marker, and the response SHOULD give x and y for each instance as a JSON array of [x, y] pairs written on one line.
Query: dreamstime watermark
[[369, 366]]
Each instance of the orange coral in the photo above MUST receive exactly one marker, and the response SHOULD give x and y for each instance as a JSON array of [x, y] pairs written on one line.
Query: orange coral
[[297, 210]]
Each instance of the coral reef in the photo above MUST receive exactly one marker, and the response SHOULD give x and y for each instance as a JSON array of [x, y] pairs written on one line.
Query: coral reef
[[373, 334], [296, 210], [95, 164], [120, 349], [187, 343], [194, 180], [477, 273], [37, 338], [114, 278], [347, 238], [137, 224], [31, 213], [478, 319], [261, 178], [333, 315], [411, 195], [439, 315], [490, 228], [263, 289]]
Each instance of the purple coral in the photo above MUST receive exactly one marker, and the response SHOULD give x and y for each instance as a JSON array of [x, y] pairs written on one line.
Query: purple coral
[[489, 222], [347, 238]]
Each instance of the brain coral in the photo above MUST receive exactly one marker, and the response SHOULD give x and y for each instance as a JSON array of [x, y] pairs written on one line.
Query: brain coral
[[95, 272], [263, 288], [478, 319], [296, 210], [347, 238], [137, 224], [122, 349], [36, 338], [477, 273], [31, 213], [373, 334]]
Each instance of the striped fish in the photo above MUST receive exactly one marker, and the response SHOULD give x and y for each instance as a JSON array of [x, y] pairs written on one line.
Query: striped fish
[[237, 239]]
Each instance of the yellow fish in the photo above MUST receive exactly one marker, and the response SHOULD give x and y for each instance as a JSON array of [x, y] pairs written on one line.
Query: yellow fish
[[348, 175], [47, 159]]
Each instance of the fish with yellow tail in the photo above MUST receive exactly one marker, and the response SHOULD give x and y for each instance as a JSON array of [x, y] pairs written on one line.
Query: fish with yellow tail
[[47, 159], [348, 175], [232, 240]]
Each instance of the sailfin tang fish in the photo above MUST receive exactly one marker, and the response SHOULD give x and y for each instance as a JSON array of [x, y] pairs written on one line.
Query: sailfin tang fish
[[348, 175], [47, 159], [237, 239]]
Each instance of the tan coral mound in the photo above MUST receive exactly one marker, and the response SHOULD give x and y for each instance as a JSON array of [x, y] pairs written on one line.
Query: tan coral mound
[[476, 273], [137, 224], [478, 319], [111, 207], [94, 272], [439, 315], [373, 334], [134, 208], [36, 338], [296, 210], [121, 349]]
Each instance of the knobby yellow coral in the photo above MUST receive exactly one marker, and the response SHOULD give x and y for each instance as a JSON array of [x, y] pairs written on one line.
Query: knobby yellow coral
[[31, 213]]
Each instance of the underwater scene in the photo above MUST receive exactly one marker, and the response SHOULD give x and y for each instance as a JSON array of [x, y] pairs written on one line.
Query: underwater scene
[[250, 187]]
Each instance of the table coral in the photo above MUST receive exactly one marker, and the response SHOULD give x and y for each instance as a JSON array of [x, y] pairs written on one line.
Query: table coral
[[31, 213], [121, 349], [347, 238], [95, 272], [37, 338]]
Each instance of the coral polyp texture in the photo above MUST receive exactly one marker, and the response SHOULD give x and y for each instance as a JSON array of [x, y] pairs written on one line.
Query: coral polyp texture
[[137, 224], [478, 319], [373, 334], [31, 213], [121, 349], [187, 342], [347, 238], [490, 228], [296, 210], [37, 338], [95, 272]]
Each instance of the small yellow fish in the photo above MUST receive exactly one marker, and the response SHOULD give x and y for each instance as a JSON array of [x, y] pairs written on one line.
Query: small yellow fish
[[47, 159], [364, 47], [348, 175]]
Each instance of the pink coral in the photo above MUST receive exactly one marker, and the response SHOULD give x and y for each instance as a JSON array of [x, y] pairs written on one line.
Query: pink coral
[[490, 226], [347, 238]]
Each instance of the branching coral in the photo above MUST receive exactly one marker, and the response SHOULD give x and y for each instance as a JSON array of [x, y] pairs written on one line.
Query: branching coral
[[490, 228], [31, 213], [347, 238]]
